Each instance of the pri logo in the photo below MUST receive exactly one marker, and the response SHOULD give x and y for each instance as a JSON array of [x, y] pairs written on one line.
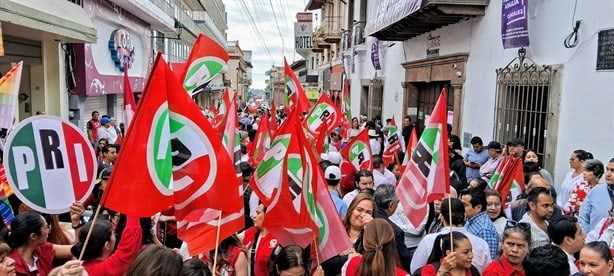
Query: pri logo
[[179, 154], [202, 70], [321, 112], [359, 155], [270, 171], [49, 164]]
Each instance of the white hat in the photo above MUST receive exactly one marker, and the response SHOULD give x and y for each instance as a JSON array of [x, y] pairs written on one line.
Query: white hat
[[332, 156], [332, 173], [372, 133]]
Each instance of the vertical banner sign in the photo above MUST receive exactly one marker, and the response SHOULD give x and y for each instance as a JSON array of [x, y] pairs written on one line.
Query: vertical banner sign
[[514, 28], [303, 32], [49, 164], [352, 58], [375, 54]]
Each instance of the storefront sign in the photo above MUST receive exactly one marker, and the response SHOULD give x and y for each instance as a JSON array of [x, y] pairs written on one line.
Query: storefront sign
[[122, 50], [514, 30]]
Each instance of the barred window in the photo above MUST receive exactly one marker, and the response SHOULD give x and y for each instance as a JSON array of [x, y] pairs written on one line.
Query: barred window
[[523, 103]]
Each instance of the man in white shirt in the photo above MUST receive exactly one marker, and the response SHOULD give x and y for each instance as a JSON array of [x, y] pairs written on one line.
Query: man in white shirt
[[567, 234], [381, 175], [541, 209], [362, 180], [107, 131], [376, 146], [481, 253]]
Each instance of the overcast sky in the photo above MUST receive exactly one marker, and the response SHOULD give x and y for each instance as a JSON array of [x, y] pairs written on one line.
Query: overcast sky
[[240, 28]]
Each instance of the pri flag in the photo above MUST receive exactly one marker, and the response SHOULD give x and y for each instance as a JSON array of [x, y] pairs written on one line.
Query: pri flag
[[9, 88], [508, 178], [219, 122], [283, 182], [427, 176], [358, 151], [175, 157], [323, 139], [296, 93], [201, 234], [262, 142], [324, 111], [129, 104], [393, 144], [207, 59]]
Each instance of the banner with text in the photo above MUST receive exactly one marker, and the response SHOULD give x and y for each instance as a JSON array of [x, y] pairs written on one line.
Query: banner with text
[[514, 27]]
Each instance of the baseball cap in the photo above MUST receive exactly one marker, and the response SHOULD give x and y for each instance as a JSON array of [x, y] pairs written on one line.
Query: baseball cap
[[332, 173], [516, 142], [332, 156], [105, 120]]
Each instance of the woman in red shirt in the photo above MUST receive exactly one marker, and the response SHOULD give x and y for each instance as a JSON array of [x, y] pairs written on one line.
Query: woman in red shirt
[[259, 243], [32, 253], [451, 260], [99, 258], [379, 257], [516, 241]]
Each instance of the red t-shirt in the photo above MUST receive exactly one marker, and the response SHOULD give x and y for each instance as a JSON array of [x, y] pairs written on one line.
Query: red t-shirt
[[44, 263], [354, 263], [264, 249], [118, 262], [429, 270], [501, 267]]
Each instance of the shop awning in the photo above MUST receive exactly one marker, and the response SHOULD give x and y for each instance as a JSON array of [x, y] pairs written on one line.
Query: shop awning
[[47, 20]]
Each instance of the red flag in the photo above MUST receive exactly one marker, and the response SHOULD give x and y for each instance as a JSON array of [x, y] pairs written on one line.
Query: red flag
[[178, 69], [427, 176], [201, 234], [129, 104], [413, 141], [283, 182], [358, 151], [219, 123], [323, 138], [177, 160], [508, 178], [207, 59], [394, 143], [262, 142], [323, 110], [296, 93], [273, 124]]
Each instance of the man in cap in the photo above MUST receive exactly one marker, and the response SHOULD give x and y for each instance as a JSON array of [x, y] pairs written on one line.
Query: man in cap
[[107, 131], [515, 147], [333, 177], [376, 146], [494, 158]]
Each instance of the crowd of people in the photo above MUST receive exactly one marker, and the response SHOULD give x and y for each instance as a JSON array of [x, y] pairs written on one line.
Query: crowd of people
[[470, 231]]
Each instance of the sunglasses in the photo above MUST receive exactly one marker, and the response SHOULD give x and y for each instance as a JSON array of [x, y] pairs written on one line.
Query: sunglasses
[[514, 224]]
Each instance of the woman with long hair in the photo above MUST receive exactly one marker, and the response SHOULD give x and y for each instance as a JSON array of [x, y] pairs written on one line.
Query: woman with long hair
[[451, 256], [155, 260], [354, 130], [99, 257], [576, 163], [379, 256], [291, 260], [494, 210], [516, 243], [359, 213], [259, 243], [32, 253], [231, 257]]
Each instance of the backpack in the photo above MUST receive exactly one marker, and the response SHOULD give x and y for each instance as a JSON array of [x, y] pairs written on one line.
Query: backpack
[[418, 272]]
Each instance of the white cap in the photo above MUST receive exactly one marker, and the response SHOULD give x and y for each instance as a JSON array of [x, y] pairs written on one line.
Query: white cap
[[332, 156], [332, 173]]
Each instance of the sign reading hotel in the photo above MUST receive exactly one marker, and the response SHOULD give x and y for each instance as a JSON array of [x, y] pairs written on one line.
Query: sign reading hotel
[[49, 164], [303, 31]]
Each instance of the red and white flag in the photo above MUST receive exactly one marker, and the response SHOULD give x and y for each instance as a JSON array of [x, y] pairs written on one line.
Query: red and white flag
[[427, 176], [129, 103], [358, 151]]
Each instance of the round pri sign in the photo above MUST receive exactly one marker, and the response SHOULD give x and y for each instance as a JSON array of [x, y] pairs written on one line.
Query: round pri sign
[[49, 164]]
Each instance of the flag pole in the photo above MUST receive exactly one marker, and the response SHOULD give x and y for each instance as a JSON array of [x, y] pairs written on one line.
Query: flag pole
[[315, 241], [217, 241], [89, 231], [450, 220]]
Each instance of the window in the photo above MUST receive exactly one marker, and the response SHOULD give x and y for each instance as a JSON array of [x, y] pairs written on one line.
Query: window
[[523, 104], [371, 99]]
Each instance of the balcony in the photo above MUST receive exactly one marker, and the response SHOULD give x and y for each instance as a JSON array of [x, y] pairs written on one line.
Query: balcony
[[433, 14], [331, 29]]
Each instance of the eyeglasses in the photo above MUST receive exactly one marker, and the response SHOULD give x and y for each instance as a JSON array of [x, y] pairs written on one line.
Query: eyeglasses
[[493, 204], [514, 224]]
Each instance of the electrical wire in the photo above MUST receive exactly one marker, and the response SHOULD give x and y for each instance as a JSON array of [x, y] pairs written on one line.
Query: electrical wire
[[254, 27], [571, 40], [283, 47]]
